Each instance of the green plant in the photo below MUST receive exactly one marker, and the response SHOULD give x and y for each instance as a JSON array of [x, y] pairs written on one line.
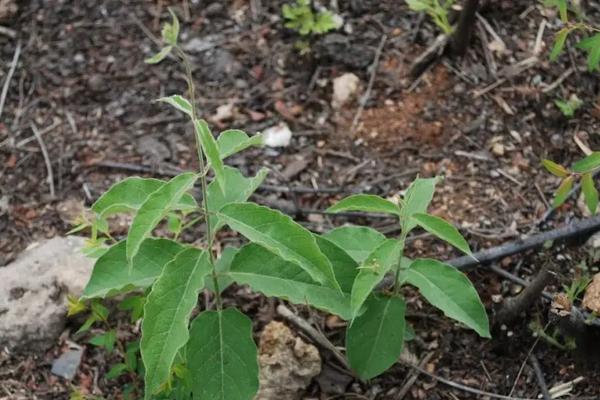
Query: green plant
[[568, 107], [577, 287], [301, 18], [582, 170], [591, 40], [436, 9], [215, 355]]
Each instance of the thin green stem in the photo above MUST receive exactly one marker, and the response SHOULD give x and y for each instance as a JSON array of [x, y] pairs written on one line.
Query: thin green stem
[[203, 183], [402, 241]]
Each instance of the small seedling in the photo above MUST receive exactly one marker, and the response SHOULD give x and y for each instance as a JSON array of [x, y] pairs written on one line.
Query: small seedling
[[591, 33], [436, 9], [301, 17], [214, 356], [568, 107], [583, 170]]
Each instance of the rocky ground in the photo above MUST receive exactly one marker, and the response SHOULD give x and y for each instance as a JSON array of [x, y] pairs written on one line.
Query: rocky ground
[[79, 99]]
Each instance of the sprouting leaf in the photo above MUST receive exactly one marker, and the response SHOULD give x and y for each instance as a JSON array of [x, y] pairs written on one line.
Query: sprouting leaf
[[587, 164], [555, 169], [233, 141], [357, 241], [158, 57], [372, 271], [559, 43], [211, 151], [167, 312], [365, 202], [222, 356], [562, 193], [592, 46], [134, 304], [449, 290], [170, 32], [178, 102], [75, 305], [154, 209], [374, 340], [443, 230], [416, 200], [129, 195], [590, 193], [281, 235], [271, 275], [111, 276], [239, 188]]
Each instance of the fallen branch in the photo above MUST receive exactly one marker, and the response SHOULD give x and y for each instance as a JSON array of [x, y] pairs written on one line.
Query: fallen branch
[[514, 306]]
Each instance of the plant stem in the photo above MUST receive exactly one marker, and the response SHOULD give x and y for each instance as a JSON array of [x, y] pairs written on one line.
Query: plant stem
[[203, 183], [402, 241]]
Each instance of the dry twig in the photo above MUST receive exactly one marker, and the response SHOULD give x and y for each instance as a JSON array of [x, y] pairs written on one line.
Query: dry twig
[[11, 71], [50, 178]]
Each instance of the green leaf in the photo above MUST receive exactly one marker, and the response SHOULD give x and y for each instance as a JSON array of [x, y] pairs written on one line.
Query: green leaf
[[372, 271], [345, 268], [233, 141], [106, 340], [238, 189], [559, 43], [555, 169], [562, 193], [222, 267], [111, 276], [590, 193], [281, 235], [374, 340], [443, 230], [178, 102], [211, 151], [129, 195], [158, 57], [170, 32], [222, 356], [357, 241], [592, 46], [562, 7], [367, 203], [154, 209], [588, 164], [451, 291], [271, 275], [135, 304], [167, 312], [116, 371], [416, 200]]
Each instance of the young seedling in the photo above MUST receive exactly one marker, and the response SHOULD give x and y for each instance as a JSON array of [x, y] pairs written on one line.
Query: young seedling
[[214, 356], [591, 33], [436, 9], [568, 107], [301, 17], [583, 170]]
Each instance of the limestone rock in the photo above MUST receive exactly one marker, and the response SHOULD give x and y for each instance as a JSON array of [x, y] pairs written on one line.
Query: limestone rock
[[33, 292], [591, 299], [344, 89], [287, 363]]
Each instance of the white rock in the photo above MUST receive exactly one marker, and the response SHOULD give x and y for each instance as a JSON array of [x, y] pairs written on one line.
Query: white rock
[[33, 292], [277, 136], [287, 363], [344, 89]]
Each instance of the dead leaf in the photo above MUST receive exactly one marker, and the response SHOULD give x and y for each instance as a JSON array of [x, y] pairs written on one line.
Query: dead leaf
[[591, 299]]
